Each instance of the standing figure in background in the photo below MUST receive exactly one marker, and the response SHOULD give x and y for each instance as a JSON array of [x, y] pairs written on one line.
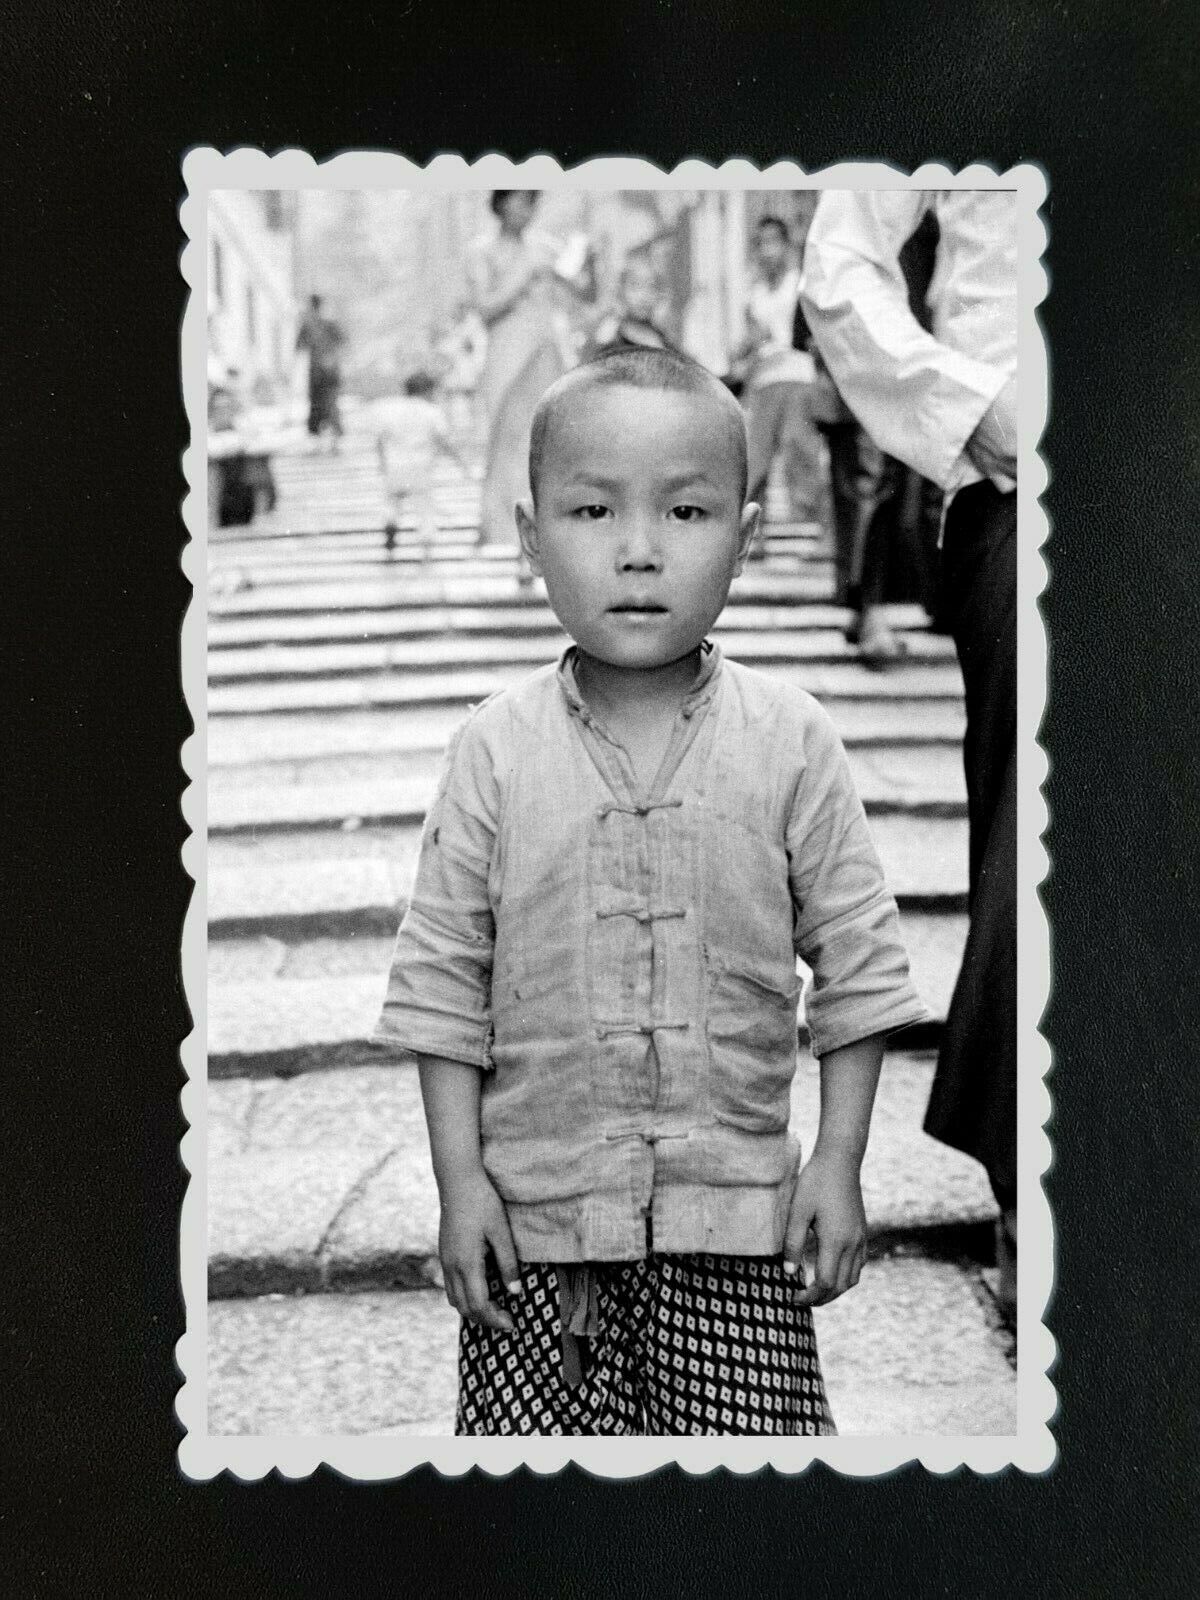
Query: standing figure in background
[[633, 322], [865, 487], [518, 280], [886, 516], [944, 401], [323, 338], [409, 430], [778, 386], [461, 350]]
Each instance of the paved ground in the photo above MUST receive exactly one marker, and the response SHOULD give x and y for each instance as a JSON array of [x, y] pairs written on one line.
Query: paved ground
[[915, 1349]]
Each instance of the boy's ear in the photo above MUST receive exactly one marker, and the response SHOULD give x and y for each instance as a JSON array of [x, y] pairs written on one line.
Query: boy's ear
[[751, 518], [528, 531]]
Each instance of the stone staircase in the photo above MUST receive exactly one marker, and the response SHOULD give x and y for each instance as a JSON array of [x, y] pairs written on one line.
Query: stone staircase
[[336, 677]]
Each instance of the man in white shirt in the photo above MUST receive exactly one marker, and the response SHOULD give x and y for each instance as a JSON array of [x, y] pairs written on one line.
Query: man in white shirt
[[944, 401], [779, 378]]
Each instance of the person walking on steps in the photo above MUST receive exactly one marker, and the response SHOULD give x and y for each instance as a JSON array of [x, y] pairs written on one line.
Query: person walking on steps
[[323, 338], [777, 388], [943, 399], [409, 431]]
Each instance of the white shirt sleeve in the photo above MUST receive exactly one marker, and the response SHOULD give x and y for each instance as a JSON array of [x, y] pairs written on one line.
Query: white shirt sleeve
[[919, 399]]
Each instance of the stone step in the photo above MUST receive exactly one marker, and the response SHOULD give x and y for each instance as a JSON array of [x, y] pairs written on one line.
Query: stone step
[[331, 899], [294, 527], [911, 685], [260, 741], [455, 588], [296, 521], [406, 579], [924, 859], [284, 1026], [906, 769], [302, 518], [325, 1181], [293, 476], [272, 662], [364, 488], [925, 782], [383, 1365], [454, 537], [358, 536], [363, 478], [511, 621], [341, 898]]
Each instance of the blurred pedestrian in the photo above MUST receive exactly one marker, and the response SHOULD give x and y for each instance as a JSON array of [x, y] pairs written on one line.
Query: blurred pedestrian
[[519, 277], [462, 351], [634, 322], [777, 388], [323, 339], [944, 401], [886, 516], [409, 431], [865, 487]]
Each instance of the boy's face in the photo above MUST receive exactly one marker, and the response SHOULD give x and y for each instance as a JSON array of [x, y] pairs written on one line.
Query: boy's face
[[639, 528]]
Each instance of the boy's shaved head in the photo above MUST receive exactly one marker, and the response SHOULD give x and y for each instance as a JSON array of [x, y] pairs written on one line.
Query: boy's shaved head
[[637, 369]]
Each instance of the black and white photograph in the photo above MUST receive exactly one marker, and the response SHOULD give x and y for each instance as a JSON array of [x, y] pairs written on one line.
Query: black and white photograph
[[615, 953]]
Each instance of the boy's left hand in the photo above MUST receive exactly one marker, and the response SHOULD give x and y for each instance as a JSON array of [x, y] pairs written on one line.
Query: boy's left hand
[[827, 1202]]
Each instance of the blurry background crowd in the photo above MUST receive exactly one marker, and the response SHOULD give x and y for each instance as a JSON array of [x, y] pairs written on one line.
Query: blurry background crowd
[[434, 321]]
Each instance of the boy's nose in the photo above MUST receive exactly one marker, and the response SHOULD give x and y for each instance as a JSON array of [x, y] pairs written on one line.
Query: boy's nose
[[639, 550]]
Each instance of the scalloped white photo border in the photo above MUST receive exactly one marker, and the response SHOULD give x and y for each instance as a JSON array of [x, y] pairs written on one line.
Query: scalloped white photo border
[[1032, 1448]]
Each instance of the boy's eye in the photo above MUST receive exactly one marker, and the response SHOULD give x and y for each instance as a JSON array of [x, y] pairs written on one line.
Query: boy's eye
[[591, 513], [688, 513]]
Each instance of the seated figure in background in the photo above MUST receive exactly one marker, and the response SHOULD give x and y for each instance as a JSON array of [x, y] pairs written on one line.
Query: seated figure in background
[[634, 321]]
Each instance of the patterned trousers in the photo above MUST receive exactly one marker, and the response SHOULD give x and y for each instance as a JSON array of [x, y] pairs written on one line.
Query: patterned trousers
[[691, 1344]]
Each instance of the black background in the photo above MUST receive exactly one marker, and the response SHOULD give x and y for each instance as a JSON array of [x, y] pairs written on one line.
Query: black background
[[100, 105]]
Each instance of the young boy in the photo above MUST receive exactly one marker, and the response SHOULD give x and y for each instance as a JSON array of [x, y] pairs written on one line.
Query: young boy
[[409, 430], [597, 969]]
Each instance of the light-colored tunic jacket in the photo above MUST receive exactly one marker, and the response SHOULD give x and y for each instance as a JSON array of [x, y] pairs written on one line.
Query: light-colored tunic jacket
[[621, 964]]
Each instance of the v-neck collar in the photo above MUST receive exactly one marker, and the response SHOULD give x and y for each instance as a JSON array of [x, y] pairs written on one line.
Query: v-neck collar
[[617, 769]]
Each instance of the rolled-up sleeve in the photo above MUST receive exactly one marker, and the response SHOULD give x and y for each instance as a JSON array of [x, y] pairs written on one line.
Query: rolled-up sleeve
[[847, 928], [438, 999], [919, 400]]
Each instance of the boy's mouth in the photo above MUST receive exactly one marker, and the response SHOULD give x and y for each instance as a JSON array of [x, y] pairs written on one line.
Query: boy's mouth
[[637, 608]]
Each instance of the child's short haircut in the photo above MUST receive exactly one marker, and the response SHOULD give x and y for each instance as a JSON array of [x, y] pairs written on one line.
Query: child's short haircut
[[638, 369], [420, 384]]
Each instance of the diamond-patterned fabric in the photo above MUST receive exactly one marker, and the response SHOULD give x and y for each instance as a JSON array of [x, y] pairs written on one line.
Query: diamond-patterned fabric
[[692, 1344]]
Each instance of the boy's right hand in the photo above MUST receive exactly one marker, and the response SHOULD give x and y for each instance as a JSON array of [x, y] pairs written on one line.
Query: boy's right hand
[[473, 1218]]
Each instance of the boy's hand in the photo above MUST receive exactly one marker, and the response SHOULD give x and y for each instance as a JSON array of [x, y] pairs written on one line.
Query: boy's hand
[[828, 1202], [473, 1217]]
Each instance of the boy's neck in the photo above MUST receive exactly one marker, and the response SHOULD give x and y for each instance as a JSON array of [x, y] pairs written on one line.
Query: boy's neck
[[626, 693]]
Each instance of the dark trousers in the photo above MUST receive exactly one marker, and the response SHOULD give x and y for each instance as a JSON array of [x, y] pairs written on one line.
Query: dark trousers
[[864, 483], [323, 388], [973, 1105]]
